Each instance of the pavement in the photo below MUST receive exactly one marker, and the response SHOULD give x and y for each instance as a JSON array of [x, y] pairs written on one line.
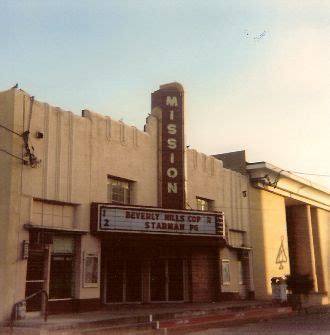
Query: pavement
[[123, 311], [315, 322], [149, 318]]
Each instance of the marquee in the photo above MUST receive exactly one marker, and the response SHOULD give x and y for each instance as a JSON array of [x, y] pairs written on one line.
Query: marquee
[[134, 219]]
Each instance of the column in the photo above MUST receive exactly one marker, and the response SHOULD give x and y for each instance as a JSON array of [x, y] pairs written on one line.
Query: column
[[301, 242]]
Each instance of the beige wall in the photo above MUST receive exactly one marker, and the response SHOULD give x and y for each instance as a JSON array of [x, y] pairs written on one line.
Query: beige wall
[[12, 268], [274, 216], [268, 231], [77, 154], [206, 178], [233, 286]]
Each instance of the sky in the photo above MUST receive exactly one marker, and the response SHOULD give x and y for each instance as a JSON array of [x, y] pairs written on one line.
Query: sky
[[256, 73]]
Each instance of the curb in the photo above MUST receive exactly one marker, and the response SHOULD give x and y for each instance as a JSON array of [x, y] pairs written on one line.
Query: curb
[[224, 318]]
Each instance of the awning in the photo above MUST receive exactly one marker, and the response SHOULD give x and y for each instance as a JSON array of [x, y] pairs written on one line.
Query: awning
[[31, 226]]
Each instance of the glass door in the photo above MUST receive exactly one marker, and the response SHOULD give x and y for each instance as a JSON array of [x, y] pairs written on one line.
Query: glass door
[[115, 281], [123, 281], [175, 279], [167, 280], [158, 280], [133, 281], [61, 273]]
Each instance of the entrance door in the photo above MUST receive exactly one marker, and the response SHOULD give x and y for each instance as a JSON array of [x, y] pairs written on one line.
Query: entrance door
[[60, 284], [175, 279], [123, 281], [167, 280], [158, 280], [133, 281]]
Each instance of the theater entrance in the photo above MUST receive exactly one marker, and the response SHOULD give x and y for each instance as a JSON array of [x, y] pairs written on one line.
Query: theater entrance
[[148, 280], [157, 269]]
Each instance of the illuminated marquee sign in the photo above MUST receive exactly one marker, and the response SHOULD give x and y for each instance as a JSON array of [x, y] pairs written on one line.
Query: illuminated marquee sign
[[169, 98], [113, 218]]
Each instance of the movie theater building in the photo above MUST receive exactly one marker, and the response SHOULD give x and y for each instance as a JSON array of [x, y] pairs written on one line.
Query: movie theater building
[[94, 211]]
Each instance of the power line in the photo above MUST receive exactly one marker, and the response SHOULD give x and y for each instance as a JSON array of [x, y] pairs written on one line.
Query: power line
[[10, 154], [311, 174], [12, 131]]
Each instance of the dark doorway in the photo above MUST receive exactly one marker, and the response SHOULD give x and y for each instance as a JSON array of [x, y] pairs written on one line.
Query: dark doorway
[[123, 281], [133, 281], [175, 279], [166, 280], [158, 280], [61, 271], [115, 281]]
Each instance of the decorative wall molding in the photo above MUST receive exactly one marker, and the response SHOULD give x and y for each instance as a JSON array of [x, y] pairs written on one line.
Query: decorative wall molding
[[135, 137], [70, 156], [58, 154], [122, 133], [45, 163], [108, 128]]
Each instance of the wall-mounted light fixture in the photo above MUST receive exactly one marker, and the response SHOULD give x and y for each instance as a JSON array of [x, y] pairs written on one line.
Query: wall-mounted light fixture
[[39, 134]]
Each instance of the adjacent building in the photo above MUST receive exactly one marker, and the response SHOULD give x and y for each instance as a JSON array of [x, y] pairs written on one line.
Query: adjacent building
[[289, 226]]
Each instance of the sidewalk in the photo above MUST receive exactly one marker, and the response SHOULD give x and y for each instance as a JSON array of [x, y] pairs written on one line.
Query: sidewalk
[[136, 310], [146, 319]]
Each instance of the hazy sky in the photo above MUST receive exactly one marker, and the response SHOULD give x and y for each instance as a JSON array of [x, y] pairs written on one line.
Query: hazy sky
[[256, 73]]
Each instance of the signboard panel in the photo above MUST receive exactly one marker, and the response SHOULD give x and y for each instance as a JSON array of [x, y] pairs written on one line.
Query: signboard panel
[[131, 219], [170, 99]]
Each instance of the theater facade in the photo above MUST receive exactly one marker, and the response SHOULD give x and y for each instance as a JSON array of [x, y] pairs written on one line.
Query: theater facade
[[94, 211]]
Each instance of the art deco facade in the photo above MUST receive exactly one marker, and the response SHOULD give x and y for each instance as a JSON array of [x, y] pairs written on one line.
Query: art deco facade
[[107, 213]]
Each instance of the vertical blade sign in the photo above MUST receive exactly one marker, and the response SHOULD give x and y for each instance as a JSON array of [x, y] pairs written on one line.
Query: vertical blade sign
[[169, 98]]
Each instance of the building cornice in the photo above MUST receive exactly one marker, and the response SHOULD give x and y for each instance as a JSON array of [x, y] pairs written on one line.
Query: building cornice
[[276, 180]]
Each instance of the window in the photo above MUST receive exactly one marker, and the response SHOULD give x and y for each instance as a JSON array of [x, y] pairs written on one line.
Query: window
[[204, 204], [45, 213], [236, 238], [119, 191]]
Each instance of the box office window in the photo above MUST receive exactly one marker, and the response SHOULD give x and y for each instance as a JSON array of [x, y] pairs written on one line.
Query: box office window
[[119, 191], [61, 276]]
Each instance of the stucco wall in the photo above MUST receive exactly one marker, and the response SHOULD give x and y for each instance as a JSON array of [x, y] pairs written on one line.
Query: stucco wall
[[11, 202], [206, 178], [77, 156], [233, 285], [268, 234]]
